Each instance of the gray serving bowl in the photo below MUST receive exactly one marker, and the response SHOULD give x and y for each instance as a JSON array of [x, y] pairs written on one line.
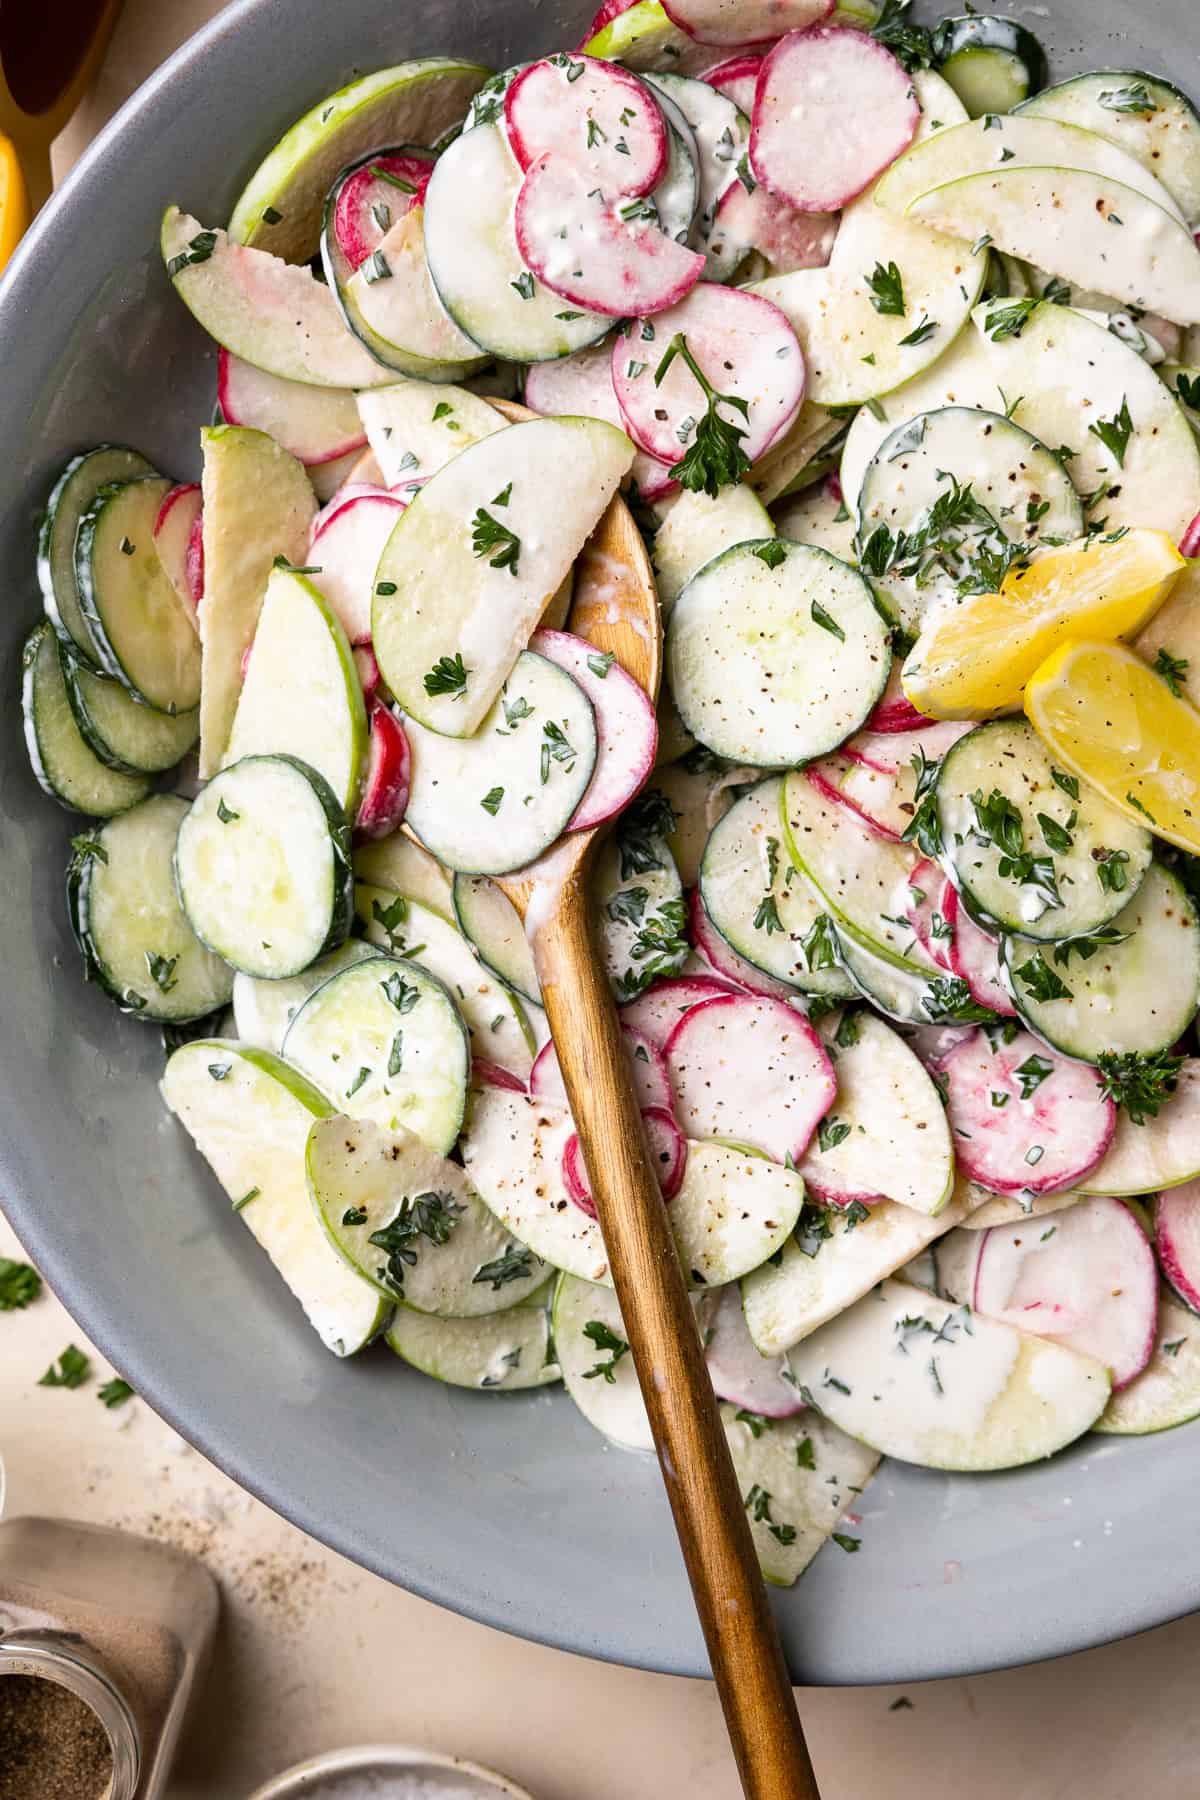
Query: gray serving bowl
[[508, 1508]]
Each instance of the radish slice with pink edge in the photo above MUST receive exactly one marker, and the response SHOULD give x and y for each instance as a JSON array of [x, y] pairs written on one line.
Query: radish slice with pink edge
[[195, 559], [1189, 543], [733, 23], [1014, 1145], [626, 725], [737, 78], [582, 384], [894, 752], [1088, 1279], [927, 914], [316, 425], [373, 197], [348, 548], [738, 1370], [179, 519], [668, 1152], [368, 671], [388, 777], [592, 117], [1177, 1235], [866, 792], [745, 347], [490, 1074], [658, 1011], [725, 960], [806, 143], [600, 251], [750, 1071], [350, 490], [895, 711], [788, 238], [975, 957], [612, 9], [934, 1043], [651, 1082]]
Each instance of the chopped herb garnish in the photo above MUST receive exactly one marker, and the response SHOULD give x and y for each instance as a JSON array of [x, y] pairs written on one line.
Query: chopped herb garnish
[[772, 553], [225, 813], [1142, 1085], [1114, 433], [488, 534], [431, 1215], [162, 971], [376, 268], [524, 285], [115, 1393], [1110, 870], [1041, 981], [354, 1215], [598, 1333], [600, 662], [396, 181], [1133, 99], [514, 1265], [199, 250], [754, 1422], [922, 332], [886, 288], [491, 800], [71, 1370], [403, 994], [831, 1133], [948, 1000], [20, 1285], [766, 917], [844, 1541], [716, 458], [826, 621], [1031, 1074], [448, 676], [805, 1454], [819, 945], [364, 1075], [1173, 670], [1008, 319]]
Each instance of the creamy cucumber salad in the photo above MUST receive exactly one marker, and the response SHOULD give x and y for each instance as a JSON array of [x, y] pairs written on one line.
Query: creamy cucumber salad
[[891, 345]]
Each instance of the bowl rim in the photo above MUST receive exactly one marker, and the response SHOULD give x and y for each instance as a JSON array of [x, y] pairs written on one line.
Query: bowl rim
[[365, 1759]]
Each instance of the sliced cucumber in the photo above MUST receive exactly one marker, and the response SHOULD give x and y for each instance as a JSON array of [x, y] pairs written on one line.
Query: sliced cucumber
[[638, 901], [512, 1148], [1142, 114], [301, 695], [1162, 1152], [399, 863], [760, 903], [1083, 846], [1167, 1392], [1138, 995], [696, 528], [488, 918], [443, 1252], [721, 132], [776, 653], [734, 1210], [128, 922], [76, 489], [263, 1010], [982, 1396], [64, 765], [417, 427], [263, 866], [486, 804], [677, 196], [506, 1351], [799, 1478], [900, 994], [992, 64], [818, 515], [142, 633], [998, 484], [249, 1115], [805, 450], [597, 1369], [120, 730], [385, 1040], [699, 788]]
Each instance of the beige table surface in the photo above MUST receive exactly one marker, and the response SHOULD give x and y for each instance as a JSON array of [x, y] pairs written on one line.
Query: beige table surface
[[313, 1653]]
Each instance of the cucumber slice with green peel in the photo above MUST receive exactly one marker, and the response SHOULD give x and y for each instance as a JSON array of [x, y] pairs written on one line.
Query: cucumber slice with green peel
[[696, 528], [776, 653], [263, 866], [721, 134], [301, 695], [512, 1149], [597, 1369], [968, 1394], [488, 918], [141, 631], [470, 566], [955, 484], [901, 994], [1163, 1152], [799, 1477], [1032, 856], [249, 1115], [499, 1031], [762, 906], [471, 246], [1143, 115], [263, 1010], [399, 863], [862, 878], [637, 897], [385, 1040], [73, 493], [443, 1251], [677, 196], [734, 1210], [64, 765], [992, 64], [128, 922], [818, 515], [504, 1352], [515, 783], [417, 427], [122, 731], [1167, 1392], [1137, 993]]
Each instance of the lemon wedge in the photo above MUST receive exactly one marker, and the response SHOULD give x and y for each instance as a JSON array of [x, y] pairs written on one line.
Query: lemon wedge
[[973, 659], [1106, 716], [14, 201]]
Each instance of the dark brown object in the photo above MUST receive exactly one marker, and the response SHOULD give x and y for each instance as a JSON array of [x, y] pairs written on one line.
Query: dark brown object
[[52, 1745]]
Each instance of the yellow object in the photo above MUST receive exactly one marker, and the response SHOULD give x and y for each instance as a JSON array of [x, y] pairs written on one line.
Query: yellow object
[[14, 201], [1105, 716], [48, 56], [973, 659]]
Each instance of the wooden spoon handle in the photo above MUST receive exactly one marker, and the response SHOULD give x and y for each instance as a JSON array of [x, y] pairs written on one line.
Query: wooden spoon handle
[[710, 1518]]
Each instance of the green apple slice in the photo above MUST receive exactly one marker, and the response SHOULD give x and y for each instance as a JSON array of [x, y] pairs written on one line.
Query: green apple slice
[[696, 528], [504, 1352], [391, 306], [474, 560], [416, 427], [597, 1369], [263, 1009], [301, 695], [489, 919], [416, 102], [249, 1115], [1167, 1392], [258, 505], [643, 37], [1151, 121], [400, 863], [1161, 1153], [734, 1210], [946, 1388], [798, 1478]]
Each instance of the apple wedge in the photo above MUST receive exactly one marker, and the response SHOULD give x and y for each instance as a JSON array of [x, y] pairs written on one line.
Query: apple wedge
[[416, 427]]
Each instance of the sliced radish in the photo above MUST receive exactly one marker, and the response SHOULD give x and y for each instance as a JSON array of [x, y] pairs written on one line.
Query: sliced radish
[[583, 384], [626, 725], [832, 109], [789, 238], [1088, 1279], [725, 960], [315, 424], [895, 712], [750, 1071], [975, 957], [739, 1371], [195, 559], [368, 671], [647, 1065], [370, 200], [934, 1043], [1189, 543], [348, 547], [737, 78], [832, 776], [388, 776], [591, 116], [349, 490], [927, 913], [658, 1011], [668, 1152], [178, 521], [892, 752], [1014, 1145], [601, 251], [492, 1075], [739, 22], [611, 9], [745, 347], [1177, 1234]]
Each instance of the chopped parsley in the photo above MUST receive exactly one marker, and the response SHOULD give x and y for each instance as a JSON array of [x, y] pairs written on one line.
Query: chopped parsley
[[20, 1285], [514, 1265], [886, 288], [1114, 433], [115, 1392], [1173, 670], [1142, 1085], [598, 1333], [715, 458], [448, 676], [488, 535], [432, 1216], [71, 1370]]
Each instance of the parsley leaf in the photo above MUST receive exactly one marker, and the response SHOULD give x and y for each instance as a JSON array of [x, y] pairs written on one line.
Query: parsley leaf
[[1114, 433], [20, 1285], [448, 676], [715, 458], [71, 1370], [1140, 1084], [886, 285], [488, 534], [598, 1333]]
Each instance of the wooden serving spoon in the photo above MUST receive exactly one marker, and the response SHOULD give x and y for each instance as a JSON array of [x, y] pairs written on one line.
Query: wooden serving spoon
[[616, 608]]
